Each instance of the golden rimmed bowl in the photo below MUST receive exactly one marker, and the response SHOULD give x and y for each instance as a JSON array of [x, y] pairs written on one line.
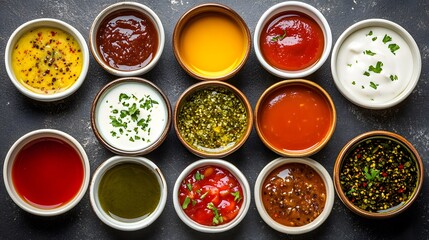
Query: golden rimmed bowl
[[185, 128], [203, 15], [275, 140], [367, 177]]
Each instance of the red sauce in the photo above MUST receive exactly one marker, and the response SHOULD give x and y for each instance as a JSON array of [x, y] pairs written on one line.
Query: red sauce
[[211, 196], [294, 117], [47, 173], [294, 194], [127, 40], [291, 41]]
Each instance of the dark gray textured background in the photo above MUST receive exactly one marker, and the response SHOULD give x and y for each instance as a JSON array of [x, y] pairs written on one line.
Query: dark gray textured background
[[19, 115]]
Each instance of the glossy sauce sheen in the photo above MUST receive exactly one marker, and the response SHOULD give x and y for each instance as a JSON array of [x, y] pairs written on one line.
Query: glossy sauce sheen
[[294, 194], [217, 186], [291, 41], [295, 117], [129, 192], [127, 40], [212, 44], [47, 173]]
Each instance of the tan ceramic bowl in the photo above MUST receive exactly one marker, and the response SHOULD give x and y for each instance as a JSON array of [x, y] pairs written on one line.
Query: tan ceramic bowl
[[350, 146], [187, 95], [204, 10], [269, 142]]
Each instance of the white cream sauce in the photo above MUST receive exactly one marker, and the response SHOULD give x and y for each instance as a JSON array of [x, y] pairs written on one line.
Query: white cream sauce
[[135, 135], [365, 48]]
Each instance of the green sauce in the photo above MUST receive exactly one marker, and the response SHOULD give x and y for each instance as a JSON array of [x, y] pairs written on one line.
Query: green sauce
[[129, 192]]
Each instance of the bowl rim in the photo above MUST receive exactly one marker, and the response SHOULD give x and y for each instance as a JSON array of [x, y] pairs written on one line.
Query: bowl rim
[[104, 217], [53, 23], [94, 106], [24, 141], [207, 84], [203, 8], [119, 6], [308, 84], [313, 13], [330, 195], [351, 144], [240, 178], [415, 52]]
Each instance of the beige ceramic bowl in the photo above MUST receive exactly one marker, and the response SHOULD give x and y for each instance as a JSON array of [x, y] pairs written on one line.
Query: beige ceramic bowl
[[329, 202], [50, 23], [397, 140], [126, 6], [129, 130], [308, 10], [203, 10], [188, 95], [20, 144], [308, 85], [241, 180]]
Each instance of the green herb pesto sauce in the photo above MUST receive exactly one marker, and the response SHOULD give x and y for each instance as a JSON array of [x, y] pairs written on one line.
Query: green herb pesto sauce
[[212, 119], [129, 192], [379, 174]]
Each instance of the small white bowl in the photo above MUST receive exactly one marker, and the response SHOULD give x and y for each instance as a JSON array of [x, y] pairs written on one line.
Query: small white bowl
[[372, 100], [126, 225], [124, 6], [22, 143], [54, 23], [300, 229], [240, 178], [308, 10]]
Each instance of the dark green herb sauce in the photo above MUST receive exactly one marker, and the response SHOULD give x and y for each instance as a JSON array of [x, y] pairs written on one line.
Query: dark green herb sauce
[[129, 192], [212, 119]]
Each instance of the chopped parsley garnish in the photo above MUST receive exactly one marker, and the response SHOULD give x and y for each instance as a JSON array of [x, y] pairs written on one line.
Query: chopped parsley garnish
[[217, 218], [237, 197], [199, 176], [387, 39], [374, 38], [373, 85], [393, 48], [369, 34], [369, 52], [366, 73], [377, 68], [279, 37], [393, 77]]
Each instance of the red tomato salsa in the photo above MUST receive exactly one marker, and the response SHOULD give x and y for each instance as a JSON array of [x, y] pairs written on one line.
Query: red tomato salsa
[[294, 194], [211, 195], [291, 41], [127, 40], [295, 117], [47, 173]]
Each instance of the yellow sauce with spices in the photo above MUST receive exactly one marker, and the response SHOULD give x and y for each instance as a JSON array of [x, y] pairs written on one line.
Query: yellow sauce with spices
[[47, 60]]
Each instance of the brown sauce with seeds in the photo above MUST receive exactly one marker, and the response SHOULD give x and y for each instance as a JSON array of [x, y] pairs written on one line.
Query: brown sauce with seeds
[[294, 194]]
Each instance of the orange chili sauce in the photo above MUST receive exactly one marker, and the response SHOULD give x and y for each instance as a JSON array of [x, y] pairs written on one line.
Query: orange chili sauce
[[295, 117]]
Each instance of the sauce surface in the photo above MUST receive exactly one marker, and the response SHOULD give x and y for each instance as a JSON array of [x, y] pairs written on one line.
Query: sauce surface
[[129, 192], [379, 175], [212, 44], [294, 194], [211, 195], [127, 40], [295, 117], [47, 173], [47, 60], [131, 116], [374, 64], [291, 41], [212, 119]]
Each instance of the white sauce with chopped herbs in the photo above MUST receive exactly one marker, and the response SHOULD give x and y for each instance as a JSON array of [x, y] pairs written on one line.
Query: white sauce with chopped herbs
[[374, 63], [131, 116]]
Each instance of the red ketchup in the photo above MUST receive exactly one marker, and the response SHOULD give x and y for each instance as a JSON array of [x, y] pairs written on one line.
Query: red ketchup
[[291, 41], [47, 173], [127, 40], [211, 195]]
